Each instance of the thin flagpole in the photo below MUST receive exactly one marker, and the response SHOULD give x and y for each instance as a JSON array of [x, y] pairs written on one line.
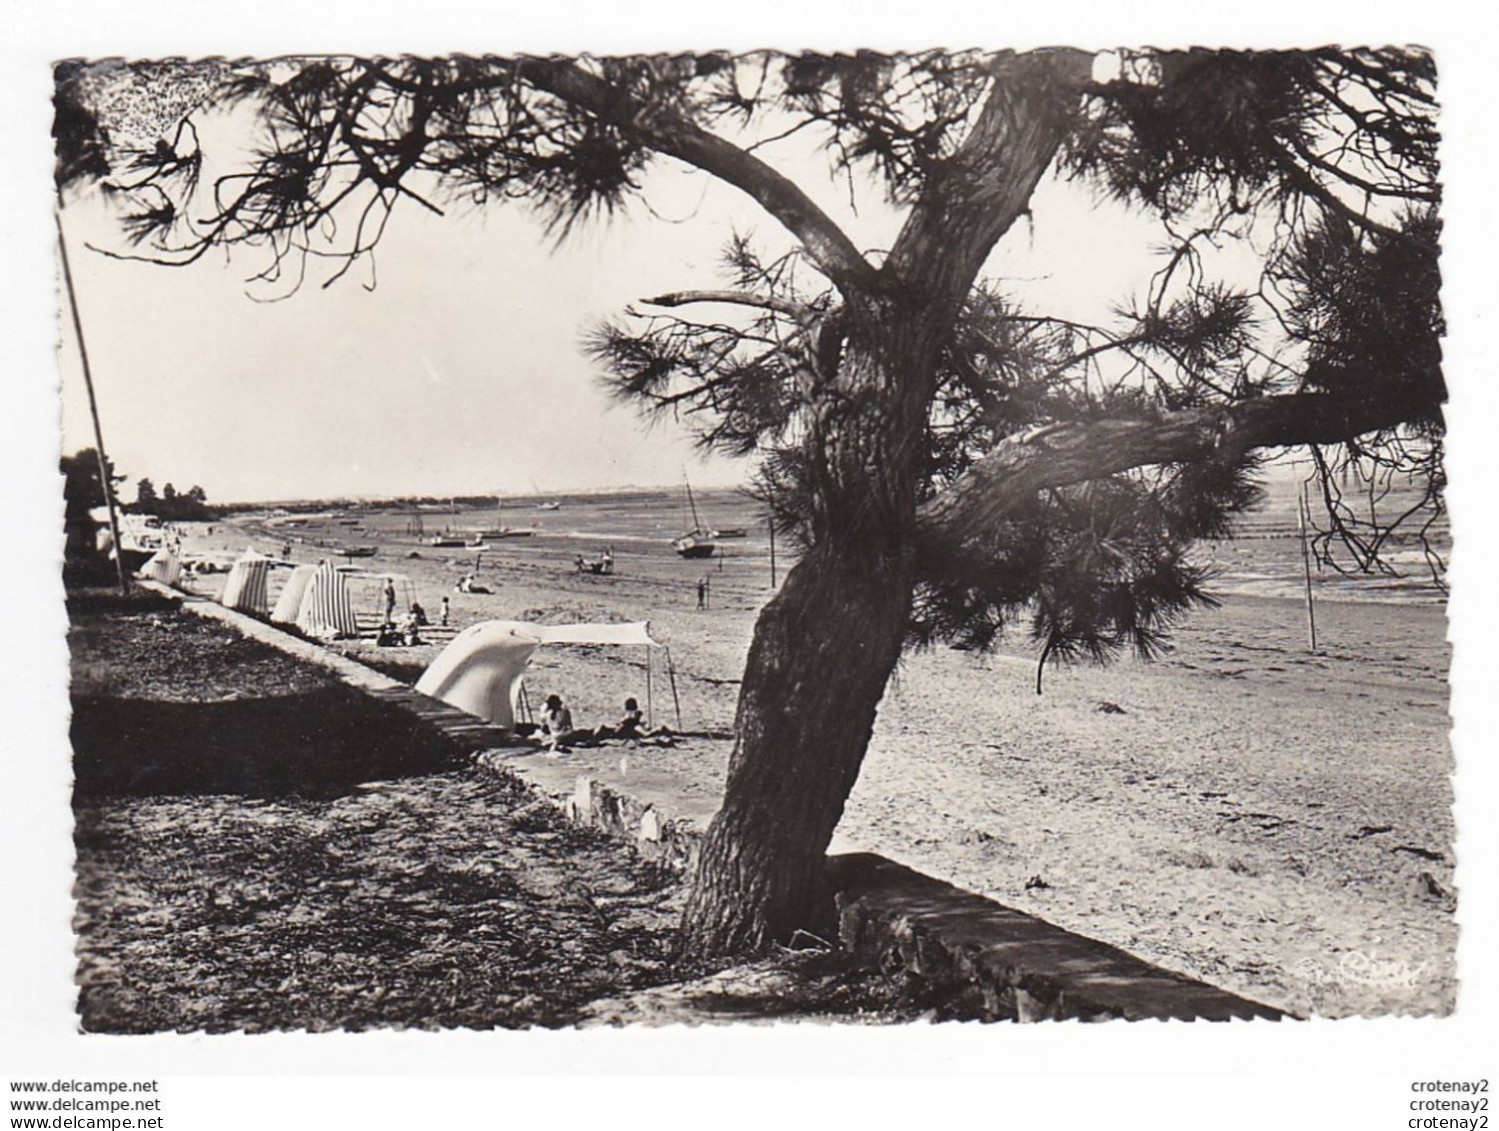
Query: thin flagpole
[[1303, 508], [772, 524], [93, 405]]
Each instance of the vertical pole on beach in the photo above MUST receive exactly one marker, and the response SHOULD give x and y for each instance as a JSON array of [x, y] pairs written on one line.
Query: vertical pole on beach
[[671, 674], [772, 524], [93, 404], [650, 714], [1306, 569]]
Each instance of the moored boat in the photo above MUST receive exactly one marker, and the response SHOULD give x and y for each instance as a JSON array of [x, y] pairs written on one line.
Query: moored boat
[[697, 542]]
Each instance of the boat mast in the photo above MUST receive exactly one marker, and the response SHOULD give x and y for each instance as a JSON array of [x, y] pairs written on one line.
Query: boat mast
[[696, 522]]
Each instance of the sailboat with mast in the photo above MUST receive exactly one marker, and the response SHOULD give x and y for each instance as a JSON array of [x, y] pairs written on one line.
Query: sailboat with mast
[[697, 542]]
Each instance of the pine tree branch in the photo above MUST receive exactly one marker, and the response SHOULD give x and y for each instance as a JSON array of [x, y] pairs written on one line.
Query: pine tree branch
[[670, 132], [798, 311], [1057, 455]]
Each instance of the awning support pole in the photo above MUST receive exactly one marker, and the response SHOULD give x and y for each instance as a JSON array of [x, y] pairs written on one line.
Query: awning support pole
[[671, 673], [650, 716]]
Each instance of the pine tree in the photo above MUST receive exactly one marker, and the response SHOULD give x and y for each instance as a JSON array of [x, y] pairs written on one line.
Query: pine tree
[[949, 461]]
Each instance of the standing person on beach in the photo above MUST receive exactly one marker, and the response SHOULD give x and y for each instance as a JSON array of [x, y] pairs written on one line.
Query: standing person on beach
[[444, 620], [702, 592], [390, 599]]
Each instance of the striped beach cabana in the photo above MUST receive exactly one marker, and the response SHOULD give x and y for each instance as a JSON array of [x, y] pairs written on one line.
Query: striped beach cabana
[[289, 603], [326, 608], [163, 566], [248, 587]]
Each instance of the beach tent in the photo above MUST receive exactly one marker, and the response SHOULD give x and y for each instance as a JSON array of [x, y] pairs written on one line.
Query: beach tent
[[289, 603], [481, 670], [163, 566], [326, 608], [248, 587]]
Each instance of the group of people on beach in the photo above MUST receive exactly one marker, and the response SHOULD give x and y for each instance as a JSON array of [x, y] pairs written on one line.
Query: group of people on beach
[[603, 564], [469, 583], [408, 632], [555, 729]]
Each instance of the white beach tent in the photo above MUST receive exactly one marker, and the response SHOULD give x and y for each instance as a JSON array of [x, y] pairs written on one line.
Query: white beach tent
[[326, 608], [481, 669], [289, 603], [163, 566], [248, 587]]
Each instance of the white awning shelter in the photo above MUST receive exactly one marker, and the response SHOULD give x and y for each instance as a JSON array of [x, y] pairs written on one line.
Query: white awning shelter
[[482, 669]]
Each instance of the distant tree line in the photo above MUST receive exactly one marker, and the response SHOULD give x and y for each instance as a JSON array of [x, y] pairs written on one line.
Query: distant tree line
[[83, 491], [173, 505]]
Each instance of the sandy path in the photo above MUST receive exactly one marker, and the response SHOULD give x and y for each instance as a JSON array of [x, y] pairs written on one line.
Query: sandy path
[[1275, 822]]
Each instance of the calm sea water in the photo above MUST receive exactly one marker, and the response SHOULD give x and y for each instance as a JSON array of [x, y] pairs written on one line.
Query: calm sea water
[[1264, 559]]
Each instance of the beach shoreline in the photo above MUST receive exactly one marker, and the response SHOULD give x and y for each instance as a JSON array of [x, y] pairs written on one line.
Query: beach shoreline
[[1269, 819]]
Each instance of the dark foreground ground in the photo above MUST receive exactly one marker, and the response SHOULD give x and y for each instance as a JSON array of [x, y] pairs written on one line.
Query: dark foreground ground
[[262, 848]]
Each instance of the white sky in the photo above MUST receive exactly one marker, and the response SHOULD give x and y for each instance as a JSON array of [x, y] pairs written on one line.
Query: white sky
[[462, 372]]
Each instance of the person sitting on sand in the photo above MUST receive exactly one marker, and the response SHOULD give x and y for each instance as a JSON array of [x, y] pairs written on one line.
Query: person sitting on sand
[[557, 725], [631, 724], [419, 613], [632, 729], [410, 628]]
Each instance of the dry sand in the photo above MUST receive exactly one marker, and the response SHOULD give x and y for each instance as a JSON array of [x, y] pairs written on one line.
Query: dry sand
[[1275, 822]]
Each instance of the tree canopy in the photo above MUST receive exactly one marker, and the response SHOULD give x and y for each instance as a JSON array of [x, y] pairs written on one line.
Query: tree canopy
[[82, 489]]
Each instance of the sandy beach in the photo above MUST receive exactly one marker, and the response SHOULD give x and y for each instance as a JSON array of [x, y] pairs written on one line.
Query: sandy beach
[[1271, 820]]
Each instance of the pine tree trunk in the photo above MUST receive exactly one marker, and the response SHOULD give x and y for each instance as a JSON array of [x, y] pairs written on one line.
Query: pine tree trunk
[[823, 652], [825, 646]]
